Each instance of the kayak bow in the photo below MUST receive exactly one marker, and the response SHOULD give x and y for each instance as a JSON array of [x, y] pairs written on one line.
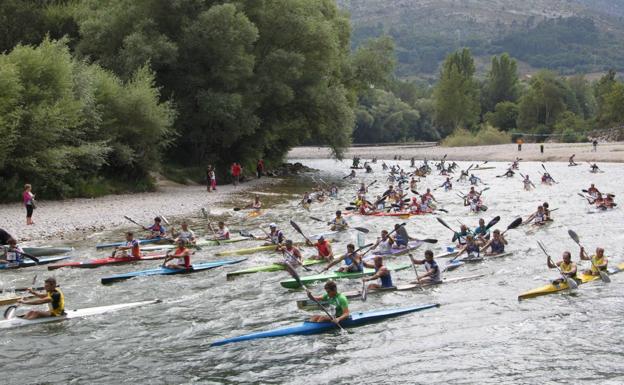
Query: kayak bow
[[293, 284]]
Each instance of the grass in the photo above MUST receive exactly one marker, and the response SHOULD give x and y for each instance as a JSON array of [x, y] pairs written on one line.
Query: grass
[[487, 135]]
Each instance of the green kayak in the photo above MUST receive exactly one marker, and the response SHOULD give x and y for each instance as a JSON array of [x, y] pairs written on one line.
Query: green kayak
[[267, 268], [292, 284]]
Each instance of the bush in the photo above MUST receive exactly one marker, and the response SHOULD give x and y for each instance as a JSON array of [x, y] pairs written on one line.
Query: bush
[[487, 135]]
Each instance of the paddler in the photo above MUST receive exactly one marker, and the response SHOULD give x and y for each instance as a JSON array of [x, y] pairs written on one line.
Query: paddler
[[187, 234], [527, 183], [463, 176], [474, 203], [333, 191], [292, 254], [608, 202], [275, 236], [352, 260], [481, 231], [471, 248], [594, 168], [12, 254], [402, 238], [182, 255], [429, 196], [472, 193], [381, 273], [335, 299], [157, 230], [351, 175], [571, 161], [362, 190], [384, 243], [474, 180], [460, 236], [547, 179], [593, 191], [222, 233], [413, 184], [539, 217], [496, 244], [131, 244], [323, 249], [365, 208], [568, 268], [433, 274], [509, 173], [516, 164], [448, 185], [339, 223], [256, 204], [5, 237], [599, 261], [53, 297], [546, 207]]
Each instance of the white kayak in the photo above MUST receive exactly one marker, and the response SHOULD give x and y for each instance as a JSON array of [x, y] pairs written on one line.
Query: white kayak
[[76, 313]]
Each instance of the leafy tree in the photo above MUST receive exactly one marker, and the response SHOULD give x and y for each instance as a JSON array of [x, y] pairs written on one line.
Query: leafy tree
[[502, 81], [457, 93], [544, 100], [504, 116]]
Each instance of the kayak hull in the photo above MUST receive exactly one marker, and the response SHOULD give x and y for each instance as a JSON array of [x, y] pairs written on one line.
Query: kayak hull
[[31, 263], [293, 284], [93, 263], [45, 250], [411, 246], [552, 288], [309, 328], [199, 243], [251, 250], [141, 242], [195, 268], [78, 313]]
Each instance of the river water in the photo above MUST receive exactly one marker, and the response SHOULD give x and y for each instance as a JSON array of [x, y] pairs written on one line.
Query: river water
[[481, 334]]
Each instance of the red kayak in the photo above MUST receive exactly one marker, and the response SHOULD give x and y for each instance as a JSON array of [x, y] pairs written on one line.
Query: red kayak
[[92, 263]]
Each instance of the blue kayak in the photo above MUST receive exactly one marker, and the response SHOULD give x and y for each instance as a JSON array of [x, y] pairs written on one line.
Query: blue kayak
[[307, 328], [141, 242], [196, 267], [29, 262]]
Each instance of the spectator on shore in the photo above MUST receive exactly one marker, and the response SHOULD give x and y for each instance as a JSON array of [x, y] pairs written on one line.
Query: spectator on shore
[[260, 168], [595, 144], [29, 202], [211, 178], [520, 142], [236, 171]]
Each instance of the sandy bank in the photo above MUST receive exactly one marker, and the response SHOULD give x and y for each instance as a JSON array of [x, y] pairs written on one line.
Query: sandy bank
[[559, 152], [77, 218]]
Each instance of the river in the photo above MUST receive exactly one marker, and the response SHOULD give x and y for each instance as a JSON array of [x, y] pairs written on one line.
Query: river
[[480, 334]]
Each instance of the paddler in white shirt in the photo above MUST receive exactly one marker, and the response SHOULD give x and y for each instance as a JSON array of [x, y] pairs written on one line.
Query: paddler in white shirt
[[339, 223], [187, 234], [292, 255]]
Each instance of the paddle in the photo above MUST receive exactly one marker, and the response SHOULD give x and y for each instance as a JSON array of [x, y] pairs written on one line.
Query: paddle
[[411, 257], [493, 222], [246, 234], [32, 257], [296, 277], [572, 285], [516, 222], [298, 229], [443, 223], [364, 290], [316, 219], [544, 167], [133, 221], [10, 311], [603, 275], [292, 256], [204, 213]]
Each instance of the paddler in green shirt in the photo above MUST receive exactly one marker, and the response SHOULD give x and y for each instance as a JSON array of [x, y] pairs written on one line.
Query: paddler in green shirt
[[335, 299]]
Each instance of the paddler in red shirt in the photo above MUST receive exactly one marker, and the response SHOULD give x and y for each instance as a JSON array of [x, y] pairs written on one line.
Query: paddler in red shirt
[[182, 254], [131, 244], [323, 248]]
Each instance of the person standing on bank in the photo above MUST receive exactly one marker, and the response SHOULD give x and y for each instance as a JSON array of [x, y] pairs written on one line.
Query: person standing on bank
[[260, 168], [29, 202]]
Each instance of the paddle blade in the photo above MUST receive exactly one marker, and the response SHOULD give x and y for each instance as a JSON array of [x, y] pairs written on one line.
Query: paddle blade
[[10, 312], [429, 240], [296, 227], [443, 223], [237, 209], [316, 219], [574, 236], [493, 222], [245, 233], [572, 285], [293, 273], [517, 222], [362, 230], [364, 290], [605, 277], [349, 208]]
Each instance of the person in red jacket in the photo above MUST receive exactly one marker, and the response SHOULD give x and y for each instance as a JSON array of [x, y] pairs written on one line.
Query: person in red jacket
[[236, 171], [260, 168]]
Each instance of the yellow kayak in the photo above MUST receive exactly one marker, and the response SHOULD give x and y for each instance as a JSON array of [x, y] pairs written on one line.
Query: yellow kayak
[[255, 213], [552, 288]]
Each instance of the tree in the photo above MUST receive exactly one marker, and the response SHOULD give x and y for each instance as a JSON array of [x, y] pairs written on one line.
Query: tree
[[502, 81], [457, 93], [544, 100], [504, 116]]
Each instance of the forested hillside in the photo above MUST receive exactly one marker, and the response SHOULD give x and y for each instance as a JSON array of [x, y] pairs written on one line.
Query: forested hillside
[[570, 37]]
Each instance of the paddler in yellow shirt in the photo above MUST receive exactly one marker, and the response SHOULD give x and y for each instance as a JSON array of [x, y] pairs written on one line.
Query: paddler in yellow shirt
[[53, 297], [568, 268], [599, 261]]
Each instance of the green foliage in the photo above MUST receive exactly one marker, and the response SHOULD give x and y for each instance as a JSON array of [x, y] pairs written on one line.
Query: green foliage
[[502, 82], [504, 116], [59, 123], [486, 135], [457, 94], [571, 127]]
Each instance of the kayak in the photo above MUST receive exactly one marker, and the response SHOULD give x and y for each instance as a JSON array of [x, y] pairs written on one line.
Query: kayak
[[77, 313], [46, 250], [292, 284], [533, 228], [196, 267], [251, 250], [268, 268], [483, 257], [141, 242], [411, 246], [580, 279], [308, 328], [92, 263], [30, 263], [308, 304], [483, 168], [255, 213], [199, 243]]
